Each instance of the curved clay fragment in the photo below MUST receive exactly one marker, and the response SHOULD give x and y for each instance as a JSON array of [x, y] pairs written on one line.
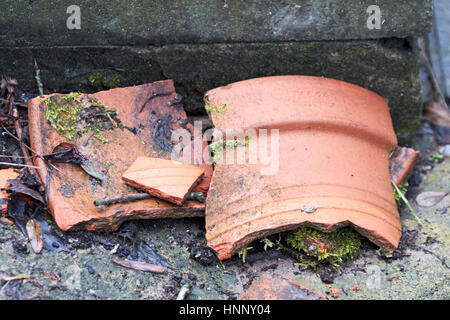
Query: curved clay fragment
[[145, 115], [334, 144], [401, 162]]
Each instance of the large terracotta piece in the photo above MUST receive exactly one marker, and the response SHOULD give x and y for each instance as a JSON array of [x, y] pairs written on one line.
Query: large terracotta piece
[[334, 144], [270, 287], [149, 111]]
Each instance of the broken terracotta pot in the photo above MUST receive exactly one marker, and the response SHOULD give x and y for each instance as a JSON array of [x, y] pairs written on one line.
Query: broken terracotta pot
[[334, 144], [273, 288], [166, 179], [144, 117], [401, 162], [5, 175]]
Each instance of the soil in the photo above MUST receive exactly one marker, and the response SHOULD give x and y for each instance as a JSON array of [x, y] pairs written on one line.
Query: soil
[[78, 265]]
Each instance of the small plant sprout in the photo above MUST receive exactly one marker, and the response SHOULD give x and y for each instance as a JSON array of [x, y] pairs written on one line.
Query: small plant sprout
[[402, 196], [267, 243], [243, 253]]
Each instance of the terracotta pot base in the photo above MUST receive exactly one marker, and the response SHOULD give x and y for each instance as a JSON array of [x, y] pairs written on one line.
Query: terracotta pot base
[[5, 175], [334, 143]]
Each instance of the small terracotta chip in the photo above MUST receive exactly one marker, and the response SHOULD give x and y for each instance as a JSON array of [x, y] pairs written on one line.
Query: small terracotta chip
[[166, 179], [5, 175]]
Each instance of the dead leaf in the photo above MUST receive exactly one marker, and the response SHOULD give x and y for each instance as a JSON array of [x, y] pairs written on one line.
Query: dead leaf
[[438, 115], [430, 198], [141, 266], [20, 277], [35, 235]]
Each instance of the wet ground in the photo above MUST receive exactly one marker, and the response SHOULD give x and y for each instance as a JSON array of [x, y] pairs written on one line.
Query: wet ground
[[419, 269]]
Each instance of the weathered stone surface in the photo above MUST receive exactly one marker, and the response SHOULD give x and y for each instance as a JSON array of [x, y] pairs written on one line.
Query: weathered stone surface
[[166, 179], [387, 67], [269, 287], [151, 22], [439, 40]]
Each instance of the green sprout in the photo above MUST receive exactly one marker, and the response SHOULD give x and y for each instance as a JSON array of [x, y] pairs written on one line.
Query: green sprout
[[437, 157]]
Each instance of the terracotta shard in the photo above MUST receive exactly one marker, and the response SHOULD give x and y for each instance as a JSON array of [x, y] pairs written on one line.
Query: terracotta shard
[[166, 179], [145, 117], [5, 175], [401, 162], [332, 156], [273, 288]]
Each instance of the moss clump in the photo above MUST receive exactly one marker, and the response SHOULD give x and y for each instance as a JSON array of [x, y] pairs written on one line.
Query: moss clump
[[243, 253], [73, 116], [103, 81], [329, 248]]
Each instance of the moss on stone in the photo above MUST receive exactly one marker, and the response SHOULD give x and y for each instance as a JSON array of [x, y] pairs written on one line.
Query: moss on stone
[[216, 110], [74, 116]]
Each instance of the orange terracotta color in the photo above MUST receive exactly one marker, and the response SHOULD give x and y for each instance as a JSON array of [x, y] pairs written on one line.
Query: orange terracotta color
[[273, 288], [5, 175], [401, 162], [72, 192], [166, 179], [334, 143]]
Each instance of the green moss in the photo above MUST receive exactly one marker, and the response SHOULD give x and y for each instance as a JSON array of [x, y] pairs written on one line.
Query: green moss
[[102, 80], [243, 253], [329, 248], [218, 147], [437, 157], [74, 116]]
